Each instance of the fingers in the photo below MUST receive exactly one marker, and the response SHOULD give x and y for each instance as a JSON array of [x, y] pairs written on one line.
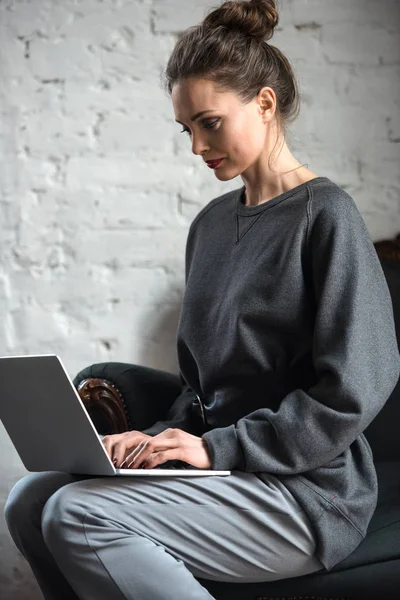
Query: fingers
[[156, 450], [108, 442], [134, 455], [119, 444], [132, 448]]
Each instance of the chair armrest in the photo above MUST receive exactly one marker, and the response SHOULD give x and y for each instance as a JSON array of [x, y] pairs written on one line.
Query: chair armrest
[[123, 397], [389, 249], [105, 405]]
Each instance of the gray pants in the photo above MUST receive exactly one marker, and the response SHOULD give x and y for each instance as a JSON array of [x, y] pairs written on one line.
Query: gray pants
[[147, 538]]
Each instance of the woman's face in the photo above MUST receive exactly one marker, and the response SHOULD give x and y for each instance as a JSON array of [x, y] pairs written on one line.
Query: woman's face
[[229, 130]]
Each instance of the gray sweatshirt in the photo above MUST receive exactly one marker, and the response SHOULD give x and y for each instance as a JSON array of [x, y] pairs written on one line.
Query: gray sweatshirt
[[287, 350]]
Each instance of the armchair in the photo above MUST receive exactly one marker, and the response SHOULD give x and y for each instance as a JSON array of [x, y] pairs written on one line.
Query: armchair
[[123, 396]]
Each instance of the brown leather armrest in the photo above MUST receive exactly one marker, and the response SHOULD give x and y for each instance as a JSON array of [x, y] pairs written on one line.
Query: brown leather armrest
[[101, 397], [389, 249]]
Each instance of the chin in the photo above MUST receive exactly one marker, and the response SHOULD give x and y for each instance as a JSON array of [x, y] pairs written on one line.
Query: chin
[[225, 174]]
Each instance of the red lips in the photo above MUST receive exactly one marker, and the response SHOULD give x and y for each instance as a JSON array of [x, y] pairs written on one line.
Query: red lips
[[214, 163]]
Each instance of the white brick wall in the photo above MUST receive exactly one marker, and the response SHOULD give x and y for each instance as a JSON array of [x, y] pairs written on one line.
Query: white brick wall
[[98, 188]]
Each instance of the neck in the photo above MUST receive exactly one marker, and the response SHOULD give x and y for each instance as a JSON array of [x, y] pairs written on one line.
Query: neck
[[264, 182]]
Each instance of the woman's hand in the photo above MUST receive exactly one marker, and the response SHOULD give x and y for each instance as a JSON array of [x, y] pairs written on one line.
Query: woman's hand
[[119, 445], [132, 449]]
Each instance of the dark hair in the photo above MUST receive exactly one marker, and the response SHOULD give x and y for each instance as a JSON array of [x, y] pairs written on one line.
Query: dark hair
[[230, 48]]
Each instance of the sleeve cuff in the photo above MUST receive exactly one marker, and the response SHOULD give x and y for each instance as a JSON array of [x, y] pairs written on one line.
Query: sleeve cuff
[[156, 428], [160, 426], [225, 450]]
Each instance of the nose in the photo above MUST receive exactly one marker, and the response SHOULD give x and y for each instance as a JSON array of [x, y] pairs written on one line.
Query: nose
[[199, 146]]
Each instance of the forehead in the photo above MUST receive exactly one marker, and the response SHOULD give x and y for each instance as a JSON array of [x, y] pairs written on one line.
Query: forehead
[[191, 95]]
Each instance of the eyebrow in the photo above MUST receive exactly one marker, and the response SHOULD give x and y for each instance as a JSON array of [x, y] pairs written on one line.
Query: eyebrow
[[197, 115]]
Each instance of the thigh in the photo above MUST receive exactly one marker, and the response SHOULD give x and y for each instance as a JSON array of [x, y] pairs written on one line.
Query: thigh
[[235, 528]]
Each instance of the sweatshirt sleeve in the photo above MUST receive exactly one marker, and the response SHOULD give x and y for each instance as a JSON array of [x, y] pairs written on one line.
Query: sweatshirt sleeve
[[354, 352]]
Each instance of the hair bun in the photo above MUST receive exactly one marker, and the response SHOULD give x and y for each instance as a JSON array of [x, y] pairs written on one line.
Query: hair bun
[[256, 18]]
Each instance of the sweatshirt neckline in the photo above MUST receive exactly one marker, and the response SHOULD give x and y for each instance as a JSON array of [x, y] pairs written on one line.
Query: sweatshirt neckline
[[241, 209]]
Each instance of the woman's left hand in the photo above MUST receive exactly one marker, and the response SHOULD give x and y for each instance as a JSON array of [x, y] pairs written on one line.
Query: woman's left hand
[[171, 444]]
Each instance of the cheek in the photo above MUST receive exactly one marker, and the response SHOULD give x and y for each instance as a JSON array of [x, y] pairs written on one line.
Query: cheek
[[244, 150], [244, 143]]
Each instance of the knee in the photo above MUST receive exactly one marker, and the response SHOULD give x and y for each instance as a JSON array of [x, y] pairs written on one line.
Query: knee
[[62, 516], [26, 499], [21, 502]]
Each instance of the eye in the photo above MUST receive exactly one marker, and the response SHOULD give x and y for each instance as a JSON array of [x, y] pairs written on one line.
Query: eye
[[207, 126]]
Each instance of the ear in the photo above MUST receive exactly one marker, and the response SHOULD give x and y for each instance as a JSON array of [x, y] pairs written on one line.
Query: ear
[[266, 103]]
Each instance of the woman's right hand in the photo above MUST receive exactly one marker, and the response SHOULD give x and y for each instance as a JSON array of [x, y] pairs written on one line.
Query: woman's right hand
[[119, 445]]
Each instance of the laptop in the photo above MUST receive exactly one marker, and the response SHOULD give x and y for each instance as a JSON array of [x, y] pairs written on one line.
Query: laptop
[[50, 427]]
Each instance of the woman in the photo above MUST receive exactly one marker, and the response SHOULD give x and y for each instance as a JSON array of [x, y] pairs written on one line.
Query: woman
[[287, 340]]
